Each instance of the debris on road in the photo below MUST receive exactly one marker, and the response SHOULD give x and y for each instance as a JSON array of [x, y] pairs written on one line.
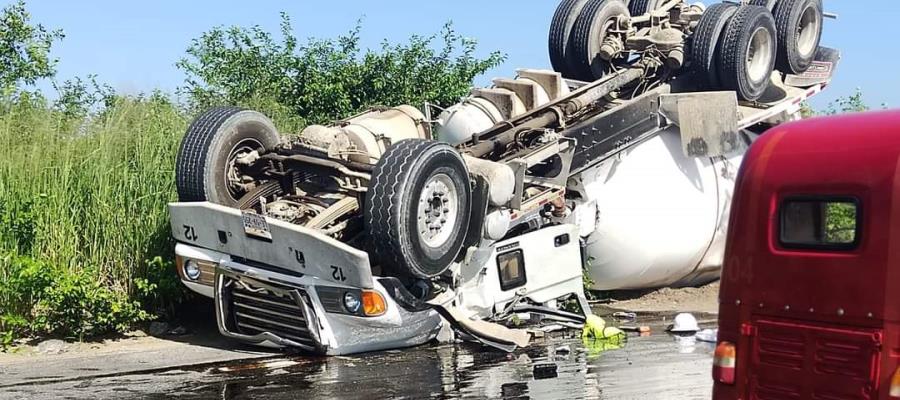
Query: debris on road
[[708, 335], [684, 323], [595, 329], [630, 316], [563, 349], [636, 329], [545, 371]]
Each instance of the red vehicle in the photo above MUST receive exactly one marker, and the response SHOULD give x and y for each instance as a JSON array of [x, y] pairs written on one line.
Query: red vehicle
[[810, 295]]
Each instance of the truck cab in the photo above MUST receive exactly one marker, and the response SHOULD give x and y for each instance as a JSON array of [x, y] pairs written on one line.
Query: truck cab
[[809, 302]]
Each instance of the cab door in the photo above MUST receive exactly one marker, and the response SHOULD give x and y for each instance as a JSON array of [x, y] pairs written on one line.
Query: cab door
[[542, 265]]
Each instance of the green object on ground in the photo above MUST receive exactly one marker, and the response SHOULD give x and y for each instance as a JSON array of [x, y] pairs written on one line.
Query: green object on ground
[[595, 328], [599, 338]]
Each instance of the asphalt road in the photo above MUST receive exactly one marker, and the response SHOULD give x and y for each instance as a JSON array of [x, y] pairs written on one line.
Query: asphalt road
[[655, 367]]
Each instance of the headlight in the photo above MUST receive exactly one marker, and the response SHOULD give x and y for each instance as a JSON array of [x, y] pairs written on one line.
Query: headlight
[[192, 270], [352, 302]]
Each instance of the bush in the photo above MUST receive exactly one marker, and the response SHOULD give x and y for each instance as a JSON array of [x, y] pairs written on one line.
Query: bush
[[42, 299], [326, 80], [847, 104]]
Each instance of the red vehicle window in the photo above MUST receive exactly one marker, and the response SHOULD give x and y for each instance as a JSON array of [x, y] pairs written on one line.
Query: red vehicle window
[[820, 223]]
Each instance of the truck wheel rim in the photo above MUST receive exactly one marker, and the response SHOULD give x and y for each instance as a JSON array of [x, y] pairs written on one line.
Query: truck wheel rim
[[808, 31], [438, 208], [759, 55], [232, 173]]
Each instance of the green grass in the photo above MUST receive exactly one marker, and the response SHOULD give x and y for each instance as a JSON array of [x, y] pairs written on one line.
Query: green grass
[[86, 197]]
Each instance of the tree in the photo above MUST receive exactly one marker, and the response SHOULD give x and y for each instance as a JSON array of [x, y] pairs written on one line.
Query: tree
[[842, 105], [325, 80], [847, 104], [24, 48]]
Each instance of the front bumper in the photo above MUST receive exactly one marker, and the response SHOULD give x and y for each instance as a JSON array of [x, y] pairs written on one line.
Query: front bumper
[[274, 310]]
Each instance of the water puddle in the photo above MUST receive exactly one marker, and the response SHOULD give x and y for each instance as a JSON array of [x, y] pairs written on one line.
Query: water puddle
[[557, 366]]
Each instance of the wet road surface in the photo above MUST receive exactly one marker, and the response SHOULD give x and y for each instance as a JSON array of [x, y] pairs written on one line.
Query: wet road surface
[[655, 367]]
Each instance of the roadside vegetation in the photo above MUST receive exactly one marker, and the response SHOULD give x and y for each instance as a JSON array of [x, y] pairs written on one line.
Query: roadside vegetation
[[85, 173]]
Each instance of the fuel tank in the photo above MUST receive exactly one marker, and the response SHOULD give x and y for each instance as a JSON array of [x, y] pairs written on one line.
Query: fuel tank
[[365, 137]]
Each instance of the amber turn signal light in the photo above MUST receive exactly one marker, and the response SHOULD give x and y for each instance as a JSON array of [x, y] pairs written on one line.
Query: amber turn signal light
[[373, 303]]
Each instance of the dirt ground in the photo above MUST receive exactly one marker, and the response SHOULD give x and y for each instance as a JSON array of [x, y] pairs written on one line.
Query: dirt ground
[[703, 300]]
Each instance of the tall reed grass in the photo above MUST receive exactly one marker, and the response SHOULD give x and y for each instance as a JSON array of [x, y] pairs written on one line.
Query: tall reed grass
[[87, 195]]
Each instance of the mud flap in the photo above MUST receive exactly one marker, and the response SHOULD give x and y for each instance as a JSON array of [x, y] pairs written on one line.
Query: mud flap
[[821, 71]]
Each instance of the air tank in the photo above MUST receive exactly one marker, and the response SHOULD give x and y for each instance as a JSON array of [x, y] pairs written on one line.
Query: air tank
[[365, 137]]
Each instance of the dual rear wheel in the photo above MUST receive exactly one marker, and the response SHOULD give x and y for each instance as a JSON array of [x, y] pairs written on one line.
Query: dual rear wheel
[[737, 47], [734, 47], [579, 30]]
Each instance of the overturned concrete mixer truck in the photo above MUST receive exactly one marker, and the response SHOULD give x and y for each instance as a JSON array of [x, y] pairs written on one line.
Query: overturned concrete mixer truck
[[391, 227]]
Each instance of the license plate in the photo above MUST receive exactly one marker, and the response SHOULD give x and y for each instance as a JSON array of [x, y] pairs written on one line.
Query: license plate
[[255, 225]]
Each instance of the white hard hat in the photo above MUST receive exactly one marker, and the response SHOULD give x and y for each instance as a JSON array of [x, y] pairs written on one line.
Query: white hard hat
[[685, 323]]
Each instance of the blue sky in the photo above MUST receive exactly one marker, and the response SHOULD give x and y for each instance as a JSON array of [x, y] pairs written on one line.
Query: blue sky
[[134, 45]]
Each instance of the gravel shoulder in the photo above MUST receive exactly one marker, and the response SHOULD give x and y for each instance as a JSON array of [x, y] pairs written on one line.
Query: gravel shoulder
[[56, 361], [704, 299]]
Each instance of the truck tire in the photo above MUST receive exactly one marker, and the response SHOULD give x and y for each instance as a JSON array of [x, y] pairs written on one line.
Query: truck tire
[[209, 148], [560, 34], [418, 207], [799, 25], [637, 8], [763, 3], [706, 42], [589, 34], [747, 57]]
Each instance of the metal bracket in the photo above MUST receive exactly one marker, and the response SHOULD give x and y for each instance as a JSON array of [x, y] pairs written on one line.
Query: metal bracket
[[519, 166], [564, 147], [708, 122]]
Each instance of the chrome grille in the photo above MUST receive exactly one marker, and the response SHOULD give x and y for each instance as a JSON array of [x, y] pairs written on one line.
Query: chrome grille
[[277, 311]]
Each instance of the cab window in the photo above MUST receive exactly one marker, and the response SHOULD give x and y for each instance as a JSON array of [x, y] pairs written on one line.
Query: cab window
[[512, 270], [820, 223]]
